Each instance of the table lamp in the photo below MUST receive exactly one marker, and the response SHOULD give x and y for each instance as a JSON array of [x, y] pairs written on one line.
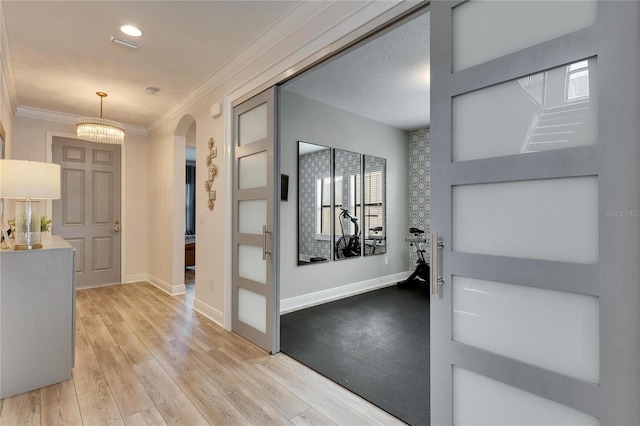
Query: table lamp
[[28, 182]]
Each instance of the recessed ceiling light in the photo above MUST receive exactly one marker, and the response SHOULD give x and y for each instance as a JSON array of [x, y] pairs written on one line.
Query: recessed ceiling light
[[131, 30]]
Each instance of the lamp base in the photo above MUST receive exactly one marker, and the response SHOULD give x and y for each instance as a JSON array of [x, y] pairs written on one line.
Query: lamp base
[[28, 236], [31, 247]]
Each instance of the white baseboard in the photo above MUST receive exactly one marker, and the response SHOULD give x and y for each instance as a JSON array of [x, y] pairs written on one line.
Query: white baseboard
[[296, 303], [86, 287], [135, 278], [172, 290], [208, 311]]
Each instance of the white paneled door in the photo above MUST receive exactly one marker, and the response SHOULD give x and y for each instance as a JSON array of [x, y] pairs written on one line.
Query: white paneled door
[[87, 215], [254, 301], [534, 158]]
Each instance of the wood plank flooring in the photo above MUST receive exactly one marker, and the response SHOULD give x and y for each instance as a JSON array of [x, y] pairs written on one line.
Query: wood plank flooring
[[146, 358]]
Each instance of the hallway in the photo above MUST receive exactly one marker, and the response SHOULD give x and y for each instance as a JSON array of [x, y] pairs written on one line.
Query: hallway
[[143, 357]]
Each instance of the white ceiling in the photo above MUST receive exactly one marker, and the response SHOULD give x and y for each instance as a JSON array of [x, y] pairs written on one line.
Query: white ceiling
[[60, 54], [387, 79]]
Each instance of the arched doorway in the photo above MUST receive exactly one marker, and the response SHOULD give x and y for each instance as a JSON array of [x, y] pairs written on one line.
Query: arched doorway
[[184, 218]]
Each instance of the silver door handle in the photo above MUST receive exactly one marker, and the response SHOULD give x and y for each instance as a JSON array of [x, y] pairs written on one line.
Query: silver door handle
[[265, 252], [437, 278], [116, 229]]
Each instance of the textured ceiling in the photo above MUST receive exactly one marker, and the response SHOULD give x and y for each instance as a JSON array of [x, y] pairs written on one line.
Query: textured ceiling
[[60, 52], [387, 79]]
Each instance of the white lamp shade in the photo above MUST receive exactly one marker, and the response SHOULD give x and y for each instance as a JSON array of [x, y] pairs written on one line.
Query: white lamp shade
[[29, 179]]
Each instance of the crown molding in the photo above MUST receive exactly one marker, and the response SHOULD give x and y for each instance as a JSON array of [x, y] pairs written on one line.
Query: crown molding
[[61, 117], [285, 27], [296, 18]]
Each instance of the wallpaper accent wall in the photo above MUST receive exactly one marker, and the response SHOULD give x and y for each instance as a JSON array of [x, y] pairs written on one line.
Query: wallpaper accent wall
[[312, 166], [420, 188]]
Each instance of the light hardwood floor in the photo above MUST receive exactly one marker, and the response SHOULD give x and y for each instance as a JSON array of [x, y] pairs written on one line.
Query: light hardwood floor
[[146, 358]]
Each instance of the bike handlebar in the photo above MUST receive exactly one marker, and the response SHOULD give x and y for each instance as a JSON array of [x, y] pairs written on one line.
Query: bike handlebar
[[346, 213]]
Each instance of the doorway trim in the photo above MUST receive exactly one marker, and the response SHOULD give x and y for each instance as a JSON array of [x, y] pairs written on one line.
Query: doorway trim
[[301, 61], [179, 145]]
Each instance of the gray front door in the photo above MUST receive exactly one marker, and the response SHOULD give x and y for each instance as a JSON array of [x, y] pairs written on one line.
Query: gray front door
[[88, 212], [535, 313]]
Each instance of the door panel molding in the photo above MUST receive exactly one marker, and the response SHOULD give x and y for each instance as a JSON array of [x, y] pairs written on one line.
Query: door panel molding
[[566, 390], [568, 162], [561, 276]]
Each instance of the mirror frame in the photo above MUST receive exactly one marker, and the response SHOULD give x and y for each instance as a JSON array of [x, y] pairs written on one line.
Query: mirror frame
[[347, 245], [375, 242], [309, 195]]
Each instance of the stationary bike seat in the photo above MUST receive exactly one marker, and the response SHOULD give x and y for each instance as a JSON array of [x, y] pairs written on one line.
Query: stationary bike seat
[[415, 231]]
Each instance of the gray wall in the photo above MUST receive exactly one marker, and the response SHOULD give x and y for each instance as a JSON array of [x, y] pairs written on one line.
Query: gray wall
[[311, 121]]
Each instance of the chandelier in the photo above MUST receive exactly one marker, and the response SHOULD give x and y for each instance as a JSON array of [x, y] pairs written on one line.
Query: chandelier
[[99, 129]]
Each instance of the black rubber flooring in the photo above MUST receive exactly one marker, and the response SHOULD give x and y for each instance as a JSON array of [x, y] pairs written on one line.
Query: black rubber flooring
[[374, 344]]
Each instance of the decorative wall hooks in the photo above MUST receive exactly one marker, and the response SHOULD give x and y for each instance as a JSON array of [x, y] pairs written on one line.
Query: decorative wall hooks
[[213, 172]]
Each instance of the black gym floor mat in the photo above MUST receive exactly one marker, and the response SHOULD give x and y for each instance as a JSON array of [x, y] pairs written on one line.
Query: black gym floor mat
[[375, 344]]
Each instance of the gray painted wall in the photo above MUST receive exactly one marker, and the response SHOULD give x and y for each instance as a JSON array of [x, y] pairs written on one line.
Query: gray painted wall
[[311, 121]]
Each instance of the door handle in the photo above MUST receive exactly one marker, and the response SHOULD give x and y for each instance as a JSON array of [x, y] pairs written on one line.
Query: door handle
[[437, 279], [116, 229], [265, 252]]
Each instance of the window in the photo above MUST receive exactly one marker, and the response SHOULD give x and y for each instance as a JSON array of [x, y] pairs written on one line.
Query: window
[[350, 202], [190, 200], [372, 197], [323, 207], [577, 83]]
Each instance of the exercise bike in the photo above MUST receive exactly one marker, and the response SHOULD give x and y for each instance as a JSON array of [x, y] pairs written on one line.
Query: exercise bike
[[374, 240], [422, 272], [348, 245]]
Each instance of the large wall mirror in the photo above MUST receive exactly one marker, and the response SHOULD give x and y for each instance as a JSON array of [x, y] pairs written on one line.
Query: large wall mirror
[[347, 168], [314, 203], [341, 204], [374, 214]]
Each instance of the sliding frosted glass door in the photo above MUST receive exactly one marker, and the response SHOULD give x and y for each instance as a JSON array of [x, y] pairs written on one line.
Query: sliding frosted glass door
[[253, 300], [534, 159]]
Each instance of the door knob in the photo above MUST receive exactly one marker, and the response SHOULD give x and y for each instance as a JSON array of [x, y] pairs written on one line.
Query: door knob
[[116, 229]]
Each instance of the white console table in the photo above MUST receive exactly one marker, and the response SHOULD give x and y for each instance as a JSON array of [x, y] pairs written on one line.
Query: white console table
[[37, 316]]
